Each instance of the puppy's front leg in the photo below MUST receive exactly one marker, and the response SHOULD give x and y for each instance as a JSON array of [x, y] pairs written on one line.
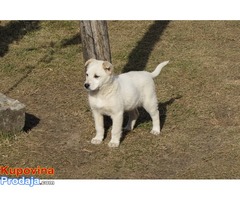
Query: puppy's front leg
[[116, 130], [98, 118]]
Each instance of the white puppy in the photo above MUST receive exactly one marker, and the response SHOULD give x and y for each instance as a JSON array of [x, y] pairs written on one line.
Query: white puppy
[[112, 95]]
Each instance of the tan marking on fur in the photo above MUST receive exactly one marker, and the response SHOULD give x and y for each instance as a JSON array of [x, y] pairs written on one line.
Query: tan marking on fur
[[88, 62], [107, 66]]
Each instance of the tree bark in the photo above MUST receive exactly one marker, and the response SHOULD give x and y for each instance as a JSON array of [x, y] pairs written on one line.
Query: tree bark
[[95, 40]]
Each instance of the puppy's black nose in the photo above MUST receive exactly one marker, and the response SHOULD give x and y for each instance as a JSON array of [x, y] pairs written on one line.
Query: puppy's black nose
[[86, 85]]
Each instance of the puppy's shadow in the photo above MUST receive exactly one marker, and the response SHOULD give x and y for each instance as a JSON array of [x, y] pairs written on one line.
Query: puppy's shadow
[[145, 117], [107, 125]]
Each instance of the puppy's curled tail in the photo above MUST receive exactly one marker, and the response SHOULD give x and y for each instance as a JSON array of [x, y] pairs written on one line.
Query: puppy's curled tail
[[158, 69]]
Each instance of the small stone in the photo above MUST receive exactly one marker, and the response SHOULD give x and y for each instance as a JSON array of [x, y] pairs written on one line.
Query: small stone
[[12, 115]]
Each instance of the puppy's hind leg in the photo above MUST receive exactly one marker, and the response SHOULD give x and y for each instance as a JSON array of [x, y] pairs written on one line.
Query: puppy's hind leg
[[152, 108], [156, 123], [133, 115]]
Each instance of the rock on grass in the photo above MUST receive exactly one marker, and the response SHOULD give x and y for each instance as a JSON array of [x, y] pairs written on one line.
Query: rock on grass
[[12, 115]]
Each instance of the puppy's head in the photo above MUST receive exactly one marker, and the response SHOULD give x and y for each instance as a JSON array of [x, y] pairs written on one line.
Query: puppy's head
[[98, 73]]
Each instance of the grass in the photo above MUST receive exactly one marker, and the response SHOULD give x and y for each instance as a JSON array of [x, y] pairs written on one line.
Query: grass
[[41, 65], [7, 136]]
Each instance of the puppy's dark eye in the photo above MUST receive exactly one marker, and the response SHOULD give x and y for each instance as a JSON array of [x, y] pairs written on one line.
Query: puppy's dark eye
[[86, 74], [96, 76]]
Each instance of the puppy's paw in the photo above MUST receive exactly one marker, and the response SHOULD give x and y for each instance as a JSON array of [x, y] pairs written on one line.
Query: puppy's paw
[[155, 132], [96, 141], [113, 144]]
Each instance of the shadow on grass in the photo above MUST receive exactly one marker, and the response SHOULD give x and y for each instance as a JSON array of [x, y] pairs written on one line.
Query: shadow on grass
[[139, 56], [76, 39], [15, 31], [29, 70], [31, 121], [144, 117]]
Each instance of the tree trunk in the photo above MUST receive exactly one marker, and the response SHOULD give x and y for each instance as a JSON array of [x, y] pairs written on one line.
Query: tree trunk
[[95, 40]]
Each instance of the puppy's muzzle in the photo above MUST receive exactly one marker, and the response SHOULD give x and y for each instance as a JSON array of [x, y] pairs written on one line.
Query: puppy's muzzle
[[87, 85]]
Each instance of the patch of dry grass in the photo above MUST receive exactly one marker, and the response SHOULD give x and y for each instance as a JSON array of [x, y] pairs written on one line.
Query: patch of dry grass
[[42, 66]]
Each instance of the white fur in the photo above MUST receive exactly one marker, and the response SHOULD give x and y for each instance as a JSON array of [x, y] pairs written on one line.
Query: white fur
[[112, 95]]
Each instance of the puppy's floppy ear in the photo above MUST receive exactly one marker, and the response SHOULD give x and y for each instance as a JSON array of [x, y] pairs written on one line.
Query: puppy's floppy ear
[[88, 62], [108, 67]]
